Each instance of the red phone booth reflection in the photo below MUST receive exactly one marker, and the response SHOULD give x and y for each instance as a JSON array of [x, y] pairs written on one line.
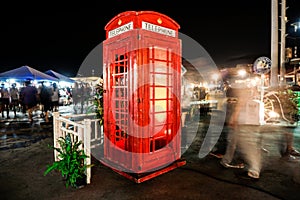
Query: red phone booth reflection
[[142, 76]]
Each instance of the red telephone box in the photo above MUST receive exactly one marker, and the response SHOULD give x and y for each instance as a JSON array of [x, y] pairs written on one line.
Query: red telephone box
[[142, 80]]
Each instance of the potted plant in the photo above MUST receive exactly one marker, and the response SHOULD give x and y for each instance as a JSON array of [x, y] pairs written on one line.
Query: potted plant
[[71, 162]]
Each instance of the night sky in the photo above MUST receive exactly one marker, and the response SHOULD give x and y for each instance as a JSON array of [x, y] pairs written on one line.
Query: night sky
[[59, 36]]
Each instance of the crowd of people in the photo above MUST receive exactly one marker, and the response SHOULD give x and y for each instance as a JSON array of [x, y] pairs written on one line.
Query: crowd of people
[[44, 97], [250, 145]]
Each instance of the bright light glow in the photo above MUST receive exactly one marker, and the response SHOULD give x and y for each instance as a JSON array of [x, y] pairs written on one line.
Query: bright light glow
[[11, 81], [215, 77], [253, 82], [168, 131], [273, 114], [47, 84], [63, 84], [5, 84], [18, 85], [242, 72], [257, 79]]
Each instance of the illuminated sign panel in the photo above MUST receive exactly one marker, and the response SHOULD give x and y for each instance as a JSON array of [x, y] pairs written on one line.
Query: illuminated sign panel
[[120, 30], [146, 26], [158, 29]]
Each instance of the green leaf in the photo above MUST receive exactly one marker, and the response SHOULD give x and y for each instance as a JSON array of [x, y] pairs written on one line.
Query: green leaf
[[72, 160]]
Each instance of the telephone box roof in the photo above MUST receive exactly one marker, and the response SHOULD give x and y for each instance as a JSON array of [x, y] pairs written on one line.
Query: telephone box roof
[[137, 17]]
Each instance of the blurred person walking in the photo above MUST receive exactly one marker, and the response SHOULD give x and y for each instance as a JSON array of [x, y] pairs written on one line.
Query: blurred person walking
[[14, 94], [55, 98], [289, 152], [21, 99], [5, 100], [86, 91], [239, 137], [76, 96], [45, 99], [29, 95]]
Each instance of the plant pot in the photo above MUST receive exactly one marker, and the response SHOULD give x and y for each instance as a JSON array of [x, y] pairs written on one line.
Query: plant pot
[[81, 182]]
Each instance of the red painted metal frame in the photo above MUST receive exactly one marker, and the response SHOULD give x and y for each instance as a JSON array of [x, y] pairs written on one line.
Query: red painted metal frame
[[133, 61]]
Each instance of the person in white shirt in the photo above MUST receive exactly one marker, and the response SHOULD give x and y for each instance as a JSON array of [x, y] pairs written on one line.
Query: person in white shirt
[[55, 97]]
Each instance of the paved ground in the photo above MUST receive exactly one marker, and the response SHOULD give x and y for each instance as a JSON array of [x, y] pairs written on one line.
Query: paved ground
[[24, 156], [19, 132]]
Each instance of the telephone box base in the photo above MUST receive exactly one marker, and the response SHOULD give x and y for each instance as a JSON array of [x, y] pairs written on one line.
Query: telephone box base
[[139, 178]]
